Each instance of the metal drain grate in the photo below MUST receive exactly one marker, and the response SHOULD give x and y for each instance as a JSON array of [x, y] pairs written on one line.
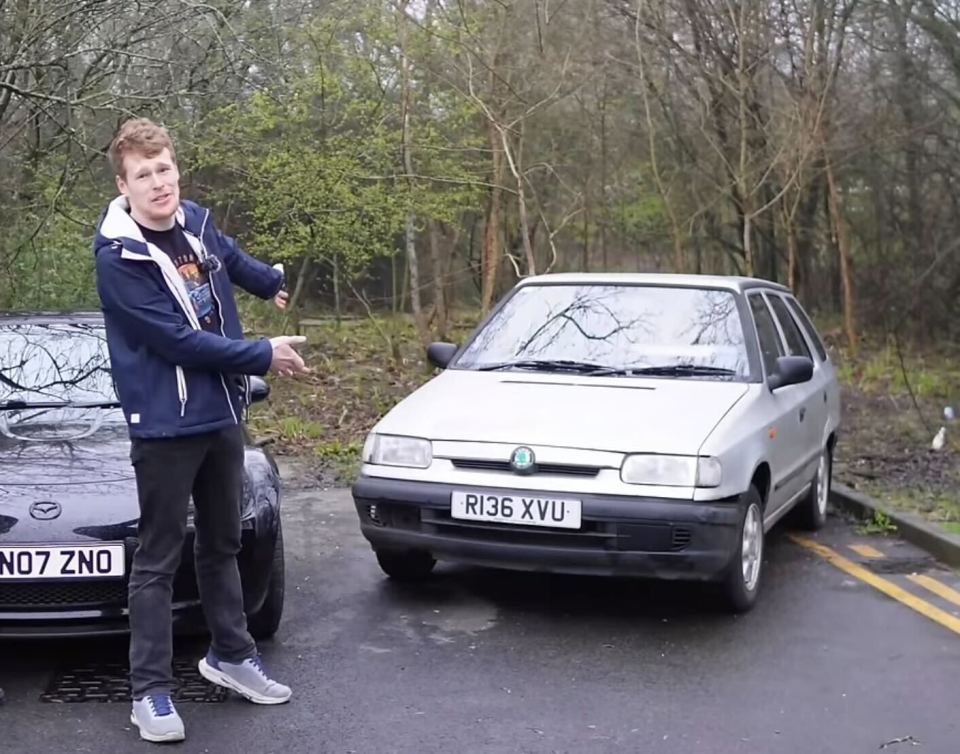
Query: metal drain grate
[[110, 682]]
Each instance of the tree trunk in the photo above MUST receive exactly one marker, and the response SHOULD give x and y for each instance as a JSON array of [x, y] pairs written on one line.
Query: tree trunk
[[439, 280], [336, 288], [603, 173], [516, 168], [492, 250], [410, 246], [846, 266], [294, 303], [409, 227], [747, 245], [791, 232], [585, 253], [395, 300]]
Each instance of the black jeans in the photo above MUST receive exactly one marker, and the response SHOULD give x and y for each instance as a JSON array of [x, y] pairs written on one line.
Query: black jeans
[[210, 467]]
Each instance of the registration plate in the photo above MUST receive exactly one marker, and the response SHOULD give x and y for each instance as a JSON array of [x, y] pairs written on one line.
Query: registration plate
[[61, 561], [531, 510]]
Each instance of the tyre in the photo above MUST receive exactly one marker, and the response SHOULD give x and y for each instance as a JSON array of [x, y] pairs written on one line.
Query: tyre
[[406, 565], [811, 512], [741, 581], [264, 623]]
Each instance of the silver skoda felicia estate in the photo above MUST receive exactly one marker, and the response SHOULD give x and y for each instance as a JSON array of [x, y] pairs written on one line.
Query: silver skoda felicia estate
[[631, 424]]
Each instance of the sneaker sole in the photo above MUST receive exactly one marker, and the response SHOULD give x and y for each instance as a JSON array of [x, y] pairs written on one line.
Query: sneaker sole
[[157, 738], [222, 679]]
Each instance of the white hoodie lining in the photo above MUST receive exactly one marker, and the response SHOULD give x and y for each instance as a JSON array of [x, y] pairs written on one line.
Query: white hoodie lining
[[117, 224]]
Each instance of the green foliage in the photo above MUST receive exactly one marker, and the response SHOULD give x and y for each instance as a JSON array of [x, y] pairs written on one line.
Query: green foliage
[[309, 187], [640, 213], [342, 459], [46, 255], [313, 162], [939, 505], [929, 373], [297, 429], [879, 523]]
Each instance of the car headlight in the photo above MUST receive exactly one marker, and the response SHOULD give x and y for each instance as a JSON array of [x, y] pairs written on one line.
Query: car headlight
[[671, 471], [397, 450]]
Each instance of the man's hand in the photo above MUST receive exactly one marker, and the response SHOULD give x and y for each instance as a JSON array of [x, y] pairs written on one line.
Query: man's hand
[[286, 361]]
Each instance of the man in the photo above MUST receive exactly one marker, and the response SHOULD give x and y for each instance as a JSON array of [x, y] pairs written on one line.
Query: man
[[180, 363]]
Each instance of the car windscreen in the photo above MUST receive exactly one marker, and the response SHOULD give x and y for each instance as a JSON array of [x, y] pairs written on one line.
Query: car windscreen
[[55, 380], [619, 327]]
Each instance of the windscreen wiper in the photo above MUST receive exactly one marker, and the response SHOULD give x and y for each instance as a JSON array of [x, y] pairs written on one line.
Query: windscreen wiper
[[673, 370], [548, 365], [17, 404]]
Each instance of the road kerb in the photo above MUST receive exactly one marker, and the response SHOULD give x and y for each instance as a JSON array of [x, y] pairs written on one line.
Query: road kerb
[[941, 544]]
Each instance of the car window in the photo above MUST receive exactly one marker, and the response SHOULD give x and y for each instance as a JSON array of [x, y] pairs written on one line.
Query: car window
[[770, 349], [808, 326], [614, 325], [796, 344], [54, 361], [59, 372]]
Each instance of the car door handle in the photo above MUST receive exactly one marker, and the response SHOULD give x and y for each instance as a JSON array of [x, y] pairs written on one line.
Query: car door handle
[[803, 412]]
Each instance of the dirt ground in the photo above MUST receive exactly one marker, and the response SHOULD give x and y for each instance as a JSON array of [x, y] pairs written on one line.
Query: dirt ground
[[885, 451]]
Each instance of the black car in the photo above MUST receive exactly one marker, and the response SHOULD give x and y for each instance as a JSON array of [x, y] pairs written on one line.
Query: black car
[[68, 501]]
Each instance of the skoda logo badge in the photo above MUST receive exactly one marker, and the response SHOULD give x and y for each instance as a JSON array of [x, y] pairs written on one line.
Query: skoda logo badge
[[522, 460], [46, 510]]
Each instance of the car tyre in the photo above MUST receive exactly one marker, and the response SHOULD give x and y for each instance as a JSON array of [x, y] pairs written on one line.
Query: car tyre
[[811, 512], [264, 623], [741, 581], [406, 565]]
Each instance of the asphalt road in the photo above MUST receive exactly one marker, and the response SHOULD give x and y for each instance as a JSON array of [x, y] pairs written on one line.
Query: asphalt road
[[491, 661]]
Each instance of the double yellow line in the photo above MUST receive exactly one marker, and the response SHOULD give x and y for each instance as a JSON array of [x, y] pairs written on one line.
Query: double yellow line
[[881, 584]]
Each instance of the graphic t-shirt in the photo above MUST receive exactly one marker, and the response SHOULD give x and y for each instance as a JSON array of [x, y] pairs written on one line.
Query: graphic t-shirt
[[175, 245]]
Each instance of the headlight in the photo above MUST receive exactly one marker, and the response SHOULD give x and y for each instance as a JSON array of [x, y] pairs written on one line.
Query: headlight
[[671, 471], [395, 450]]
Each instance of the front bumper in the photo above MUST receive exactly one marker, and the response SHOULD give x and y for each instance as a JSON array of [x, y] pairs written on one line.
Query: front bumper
[[67, 608], [619, 535]]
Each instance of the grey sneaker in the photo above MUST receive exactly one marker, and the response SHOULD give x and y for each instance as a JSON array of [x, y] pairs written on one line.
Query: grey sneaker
[[247, 678], [157, 719]]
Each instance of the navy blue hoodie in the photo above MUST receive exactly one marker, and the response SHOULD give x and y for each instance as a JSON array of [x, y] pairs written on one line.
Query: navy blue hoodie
[[172, 377]]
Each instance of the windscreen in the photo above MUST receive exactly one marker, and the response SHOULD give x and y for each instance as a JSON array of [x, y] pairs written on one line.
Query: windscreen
[[617, 326]]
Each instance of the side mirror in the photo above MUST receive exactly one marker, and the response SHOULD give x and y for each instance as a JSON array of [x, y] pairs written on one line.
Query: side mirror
[[440, 354], [791, 370], [259, 389]]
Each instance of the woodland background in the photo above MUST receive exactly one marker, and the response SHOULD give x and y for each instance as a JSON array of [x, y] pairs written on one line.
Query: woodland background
[[409, 160]]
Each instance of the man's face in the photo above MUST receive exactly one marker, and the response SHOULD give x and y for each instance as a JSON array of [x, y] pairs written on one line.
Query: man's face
[[152, 185]]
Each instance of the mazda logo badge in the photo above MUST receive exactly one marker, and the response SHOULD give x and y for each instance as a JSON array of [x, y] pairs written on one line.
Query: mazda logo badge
[[46, 510]]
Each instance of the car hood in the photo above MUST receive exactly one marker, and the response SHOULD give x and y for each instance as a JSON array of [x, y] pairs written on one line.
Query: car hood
[[100, 457], [621, 414], [90, 479]]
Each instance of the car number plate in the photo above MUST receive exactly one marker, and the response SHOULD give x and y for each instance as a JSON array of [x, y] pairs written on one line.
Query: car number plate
[[531, 510], [61, 561]]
